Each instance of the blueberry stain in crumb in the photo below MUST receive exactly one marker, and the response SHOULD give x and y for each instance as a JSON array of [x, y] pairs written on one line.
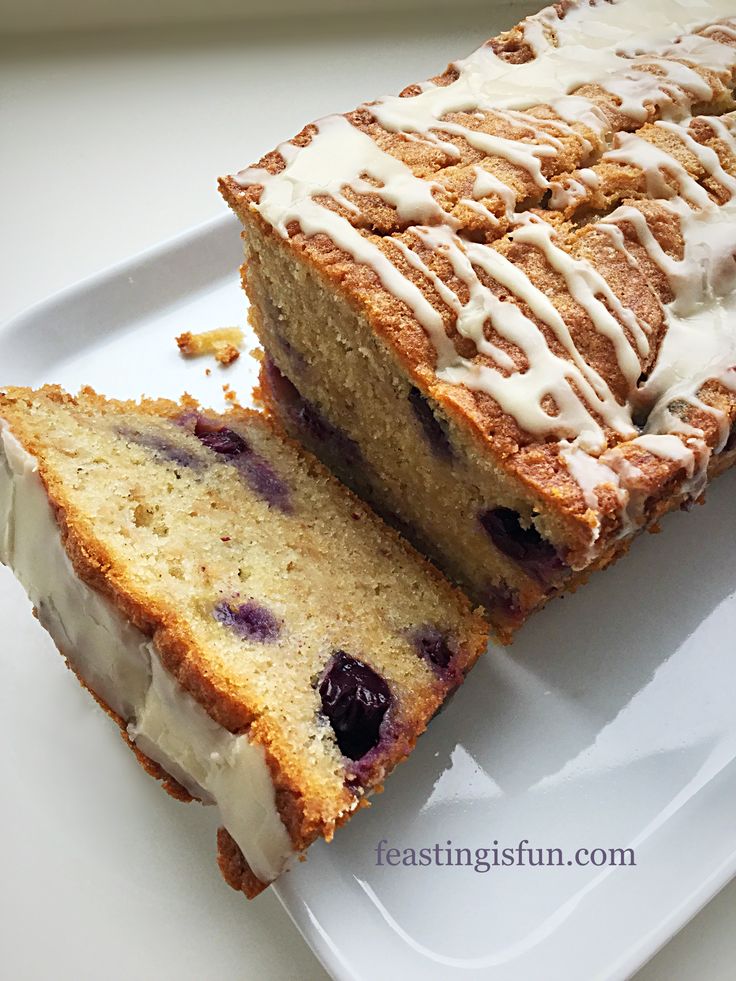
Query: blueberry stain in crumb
[[161, 447], [433, 646], [250, 621], [309, 419], [264, 481], [434, 432], [503, 599]]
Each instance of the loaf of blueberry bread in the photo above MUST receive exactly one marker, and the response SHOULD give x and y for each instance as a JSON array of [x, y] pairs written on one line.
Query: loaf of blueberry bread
[[500, 305], [185, 564]]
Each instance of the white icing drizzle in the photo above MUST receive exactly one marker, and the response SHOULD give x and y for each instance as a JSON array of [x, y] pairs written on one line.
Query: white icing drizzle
[[613, 471], [579, 392], [706, 155], [627, 48], [527, 156], [589, 472], [668, 447], [535, 36], [485, 185], [670, 92], [589, 48], [700, 340], [470, 316], [577, 109], [290, 196], [592, 292], [702, 49], [339, 155], [307, 173], [570, 191], [726, 29], [655, 164]]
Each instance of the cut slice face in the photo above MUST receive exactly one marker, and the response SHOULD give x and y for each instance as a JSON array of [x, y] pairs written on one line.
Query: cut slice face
[[264, 641]]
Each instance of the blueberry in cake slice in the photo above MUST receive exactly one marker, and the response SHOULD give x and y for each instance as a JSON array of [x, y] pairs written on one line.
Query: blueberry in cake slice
[[264, 641], [501, 305]]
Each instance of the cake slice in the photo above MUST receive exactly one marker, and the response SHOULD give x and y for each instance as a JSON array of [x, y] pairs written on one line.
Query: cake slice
[[263, 640], [500, 306]]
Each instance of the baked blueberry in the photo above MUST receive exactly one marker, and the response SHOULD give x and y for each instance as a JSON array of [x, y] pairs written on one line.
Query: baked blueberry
[[220, 439], [264, 481], [355, 699], [525, 545]]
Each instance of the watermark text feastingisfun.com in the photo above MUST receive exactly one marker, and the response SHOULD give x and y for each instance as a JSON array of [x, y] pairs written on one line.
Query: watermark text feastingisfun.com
[[520, 855]]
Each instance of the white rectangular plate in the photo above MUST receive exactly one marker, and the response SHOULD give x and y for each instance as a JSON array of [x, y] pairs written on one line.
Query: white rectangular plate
[[609, 723]]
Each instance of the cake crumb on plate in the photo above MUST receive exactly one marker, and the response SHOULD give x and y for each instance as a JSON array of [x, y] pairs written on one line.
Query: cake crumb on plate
[[223, 342]]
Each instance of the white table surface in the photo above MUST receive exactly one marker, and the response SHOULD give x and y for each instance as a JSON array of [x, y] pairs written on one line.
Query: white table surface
[[111, 142]]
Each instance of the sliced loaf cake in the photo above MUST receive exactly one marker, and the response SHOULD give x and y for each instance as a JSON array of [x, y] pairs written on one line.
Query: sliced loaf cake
[[264, 641]]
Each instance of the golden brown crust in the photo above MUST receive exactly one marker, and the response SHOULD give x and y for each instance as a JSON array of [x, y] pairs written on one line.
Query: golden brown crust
[[454, 171], [669, 500], [234, 868]]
